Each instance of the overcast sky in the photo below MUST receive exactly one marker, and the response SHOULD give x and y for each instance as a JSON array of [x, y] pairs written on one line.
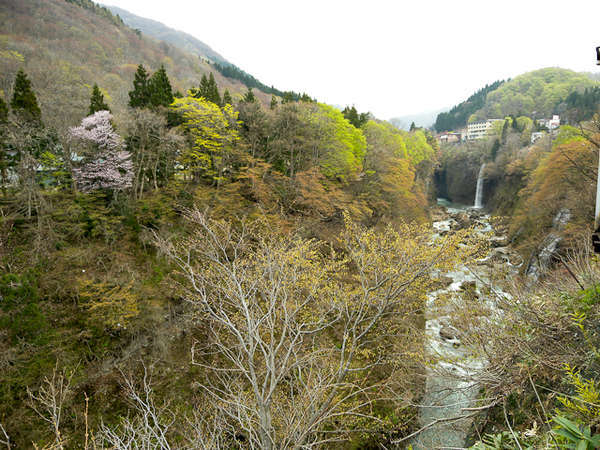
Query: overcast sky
[[390, 57]]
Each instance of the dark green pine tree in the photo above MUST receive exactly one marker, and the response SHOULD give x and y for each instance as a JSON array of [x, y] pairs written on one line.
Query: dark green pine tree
[[227, 100], [504, 131], [203, 89], [351, 116], [413, 127], [139, 97], [249, 96], [3, 111], [213, 91], [97, 101], [495, 149], [24, 102], [159, 86], [273, 102], [306, 98]]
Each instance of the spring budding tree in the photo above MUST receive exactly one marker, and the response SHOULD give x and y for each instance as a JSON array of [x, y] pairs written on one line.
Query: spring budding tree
[[105, 164], [292, 331]]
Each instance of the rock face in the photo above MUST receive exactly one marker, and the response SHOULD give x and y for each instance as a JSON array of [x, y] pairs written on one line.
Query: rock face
[[456, 180], [542, 260]]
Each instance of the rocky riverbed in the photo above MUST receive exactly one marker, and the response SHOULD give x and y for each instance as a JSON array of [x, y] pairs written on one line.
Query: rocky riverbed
[[450, 390]]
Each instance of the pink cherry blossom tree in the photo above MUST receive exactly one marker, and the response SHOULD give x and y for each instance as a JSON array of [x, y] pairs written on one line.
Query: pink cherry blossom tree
[[105, 164]]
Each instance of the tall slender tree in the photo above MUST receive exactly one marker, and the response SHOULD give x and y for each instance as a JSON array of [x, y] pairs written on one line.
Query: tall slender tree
[[161, 93], [249, 97], [139, 97], [24, 101], [3, 110], [97, 101], [227, 100], [213, 90]]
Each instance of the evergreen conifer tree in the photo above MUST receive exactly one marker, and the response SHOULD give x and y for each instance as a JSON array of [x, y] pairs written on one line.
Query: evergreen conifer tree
[[213, 91], [249, 96], [139, 97], [159, 86], [227, 100], [203, 89], [273, 102], [24, 101], [504, 131], [495, 149], [3, 111], [97, 101]]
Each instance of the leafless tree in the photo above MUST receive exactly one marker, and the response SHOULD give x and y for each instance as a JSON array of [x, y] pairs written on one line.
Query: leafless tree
[[149, 426], [291, 326], [49, 402]]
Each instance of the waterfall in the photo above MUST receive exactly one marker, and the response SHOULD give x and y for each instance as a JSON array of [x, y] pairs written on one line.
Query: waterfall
[[479, 190]]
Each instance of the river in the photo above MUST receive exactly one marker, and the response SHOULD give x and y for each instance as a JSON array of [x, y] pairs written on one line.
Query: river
[[450, 385]]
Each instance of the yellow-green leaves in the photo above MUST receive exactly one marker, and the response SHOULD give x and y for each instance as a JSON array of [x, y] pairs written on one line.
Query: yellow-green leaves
[[344, 145], [213, 132]]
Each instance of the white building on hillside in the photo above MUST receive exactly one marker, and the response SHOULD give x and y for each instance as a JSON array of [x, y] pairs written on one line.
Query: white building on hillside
[[551, 124], [478, 130]]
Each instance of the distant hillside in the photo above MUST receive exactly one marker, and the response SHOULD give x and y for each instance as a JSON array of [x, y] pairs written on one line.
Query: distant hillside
[[424, 119], [190, 44], [457, 117], [536, 93], [65, 46], [162, 32]]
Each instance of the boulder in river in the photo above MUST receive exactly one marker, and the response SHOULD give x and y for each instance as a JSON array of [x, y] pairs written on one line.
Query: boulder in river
[[448, 333]]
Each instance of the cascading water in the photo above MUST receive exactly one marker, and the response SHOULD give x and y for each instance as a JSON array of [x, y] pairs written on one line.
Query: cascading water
[[479, 191]]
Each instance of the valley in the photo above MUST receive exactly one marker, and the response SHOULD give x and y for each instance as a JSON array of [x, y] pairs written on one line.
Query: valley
[[190, 259]]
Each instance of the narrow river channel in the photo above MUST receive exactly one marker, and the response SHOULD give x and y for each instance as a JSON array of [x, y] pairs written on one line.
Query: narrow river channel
[[450, 385]]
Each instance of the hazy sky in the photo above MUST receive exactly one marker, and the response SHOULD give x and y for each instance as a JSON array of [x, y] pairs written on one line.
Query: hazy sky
[[388, 57]]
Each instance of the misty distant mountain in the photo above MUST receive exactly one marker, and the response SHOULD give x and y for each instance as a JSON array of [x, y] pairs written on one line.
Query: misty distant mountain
[[162, 32], [424, 119]]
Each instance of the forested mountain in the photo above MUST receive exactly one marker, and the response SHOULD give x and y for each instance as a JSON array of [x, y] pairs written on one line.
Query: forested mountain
[[457, 117], [67, 46], [537, 93], [161, 32], [194, 46]]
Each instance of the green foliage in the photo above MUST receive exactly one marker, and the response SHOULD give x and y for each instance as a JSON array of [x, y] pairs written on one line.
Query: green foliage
[[352, 116], [500, 441], [24, 102], [212, 130], [249, 96], [582, 105], [418, 146], [97, 101], [227, 100], [3, 111], [345, 147], [101, 11], [234, 72], [457, 117], [208, 90], [139, 97], [575, 436], [585, 405], [159, 86], [539, 91]]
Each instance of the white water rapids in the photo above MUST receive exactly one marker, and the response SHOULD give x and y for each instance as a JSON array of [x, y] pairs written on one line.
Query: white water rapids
[[449, 384]]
